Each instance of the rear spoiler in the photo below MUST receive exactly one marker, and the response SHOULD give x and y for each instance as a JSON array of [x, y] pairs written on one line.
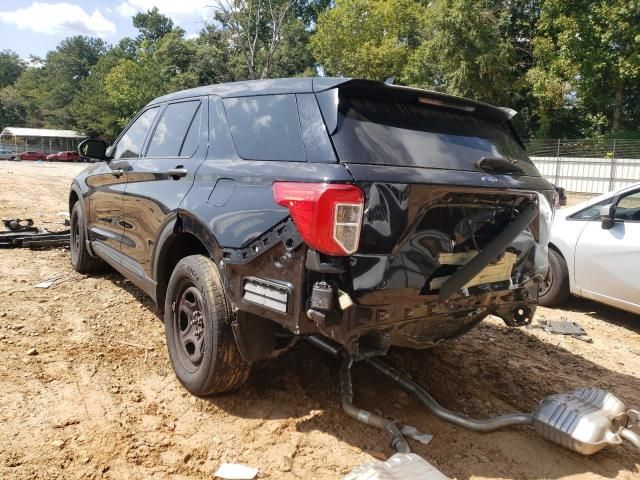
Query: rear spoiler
[[329, 90]]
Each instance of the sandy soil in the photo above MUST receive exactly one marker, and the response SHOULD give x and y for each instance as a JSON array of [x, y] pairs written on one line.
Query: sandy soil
[[99, 399]]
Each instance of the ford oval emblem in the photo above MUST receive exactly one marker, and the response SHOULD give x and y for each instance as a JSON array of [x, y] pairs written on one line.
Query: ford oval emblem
[[490, 179]]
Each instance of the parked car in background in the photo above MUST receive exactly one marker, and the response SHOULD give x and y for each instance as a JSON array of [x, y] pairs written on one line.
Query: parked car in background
[[6, 154], [66, 156], [254, 213], [31, 155], [594, 251]]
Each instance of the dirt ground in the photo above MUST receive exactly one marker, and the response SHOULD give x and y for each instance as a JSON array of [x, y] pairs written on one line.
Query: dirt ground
[[99, 399]]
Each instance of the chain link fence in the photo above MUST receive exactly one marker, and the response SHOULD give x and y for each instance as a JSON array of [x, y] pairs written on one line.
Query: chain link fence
[[587, 167]]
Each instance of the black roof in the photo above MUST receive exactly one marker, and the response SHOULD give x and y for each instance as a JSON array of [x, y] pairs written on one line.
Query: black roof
[[318, 84], [258, 87]]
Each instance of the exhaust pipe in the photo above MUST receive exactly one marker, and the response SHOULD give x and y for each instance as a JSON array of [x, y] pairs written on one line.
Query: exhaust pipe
[[442, 413], [584, 420], [398, 443]]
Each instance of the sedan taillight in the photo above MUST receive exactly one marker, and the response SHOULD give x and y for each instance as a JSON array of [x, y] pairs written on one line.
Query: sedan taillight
[[327, 216]]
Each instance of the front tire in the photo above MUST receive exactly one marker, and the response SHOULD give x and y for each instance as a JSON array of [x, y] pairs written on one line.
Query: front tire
[[554, 290], [197, 321], [81, 259]]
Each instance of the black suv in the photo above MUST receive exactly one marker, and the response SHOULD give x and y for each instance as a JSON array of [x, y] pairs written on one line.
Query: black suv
[[255, 213]]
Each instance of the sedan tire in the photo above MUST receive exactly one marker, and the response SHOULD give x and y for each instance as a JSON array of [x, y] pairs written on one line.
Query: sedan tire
[[554, 290], [197, 321]]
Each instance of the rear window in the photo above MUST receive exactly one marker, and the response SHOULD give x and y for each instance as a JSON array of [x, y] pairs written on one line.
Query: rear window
[[265, 127], [380, 132]]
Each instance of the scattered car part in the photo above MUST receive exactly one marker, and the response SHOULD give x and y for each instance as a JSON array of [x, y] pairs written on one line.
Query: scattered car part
[[49, 281], [401, 466], [413, 432], [398, 443], [584, 420], [235, 471], [23, 234], [19, 225], [34, 239], [564, 327]]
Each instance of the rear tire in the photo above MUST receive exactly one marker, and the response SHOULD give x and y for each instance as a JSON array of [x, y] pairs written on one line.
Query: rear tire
[[81, 259], [554, 290], [197, 321]]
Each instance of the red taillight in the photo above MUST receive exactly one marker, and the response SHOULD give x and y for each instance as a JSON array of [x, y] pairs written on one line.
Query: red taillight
[[327, 216]]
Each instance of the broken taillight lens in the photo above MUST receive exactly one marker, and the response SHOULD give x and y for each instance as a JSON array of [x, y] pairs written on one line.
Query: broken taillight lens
[[327, 216]]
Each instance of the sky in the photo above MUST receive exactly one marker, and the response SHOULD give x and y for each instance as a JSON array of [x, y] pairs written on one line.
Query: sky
[[34, 27]]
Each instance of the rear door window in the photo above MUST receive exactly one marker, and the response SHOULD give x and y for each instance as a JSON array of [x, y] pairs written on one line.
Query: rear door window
[[131, 143], [265, 127], [170, 133], [384, 132]]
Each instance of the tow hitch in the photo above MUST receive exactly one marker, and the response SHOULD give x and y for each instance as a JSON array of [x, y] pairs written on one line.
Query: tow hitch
[[584, 420]]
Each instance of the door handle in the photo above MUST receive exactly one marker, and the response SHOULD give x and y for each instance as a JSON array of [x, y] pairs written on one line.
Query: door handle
[[177, 172], [117, 173]]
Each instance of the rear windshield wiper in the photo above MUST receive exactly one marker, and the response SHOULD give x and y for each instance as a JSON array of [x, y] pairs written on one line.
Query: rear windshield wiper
[[499, 165]]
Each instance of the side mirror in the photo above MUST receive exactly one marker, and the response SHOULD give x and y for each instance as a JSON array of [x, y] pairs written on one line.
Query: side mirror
[[93, 148], [607, 215]]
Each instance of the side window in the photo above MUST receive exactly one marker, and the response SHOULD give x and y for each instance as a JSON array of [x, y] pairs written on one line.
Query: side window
[[130, 144], [171, 130], [265, 127], [628, 207], [590, 213], [190, 144]]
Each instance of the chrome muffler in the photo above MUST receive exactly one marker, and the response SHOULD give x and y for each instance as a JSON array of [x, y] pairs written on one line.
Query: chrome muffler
[[586, 420]]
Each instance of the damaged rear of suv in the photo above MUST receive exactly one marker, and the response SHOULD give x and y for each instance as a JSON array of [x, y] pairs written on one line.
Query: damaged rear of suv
[[364, 213]]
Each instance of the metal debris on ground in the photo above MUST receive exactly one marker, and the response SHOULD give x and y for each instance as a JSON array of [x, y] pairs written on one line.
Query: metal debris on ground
[[563, 327], [413, 432], [22, 234], [235, 471], [50, 281], [19, 225], [401, 466]]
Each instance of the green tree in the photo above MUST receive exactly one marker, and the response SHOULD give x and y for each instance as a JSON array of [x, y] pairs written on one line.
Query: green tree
[[464, 52], [176, 55], [370, 39], [48, 91], [456, 46], [255, 32], [12, 111], [31, 94], [93, 109], [588, 60], [130, 85], [212, 59], [11, 66], [152, 25]]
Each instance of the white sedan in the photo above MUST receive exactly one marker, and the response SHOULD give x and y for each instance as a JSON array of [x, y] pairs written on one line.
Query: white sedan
[[594, 251]]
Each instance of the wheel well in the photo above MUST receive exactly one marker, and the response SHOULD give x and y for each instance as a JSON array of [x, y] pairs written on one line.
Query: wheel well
[[556, 249], [176, 248], [73, 198]]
